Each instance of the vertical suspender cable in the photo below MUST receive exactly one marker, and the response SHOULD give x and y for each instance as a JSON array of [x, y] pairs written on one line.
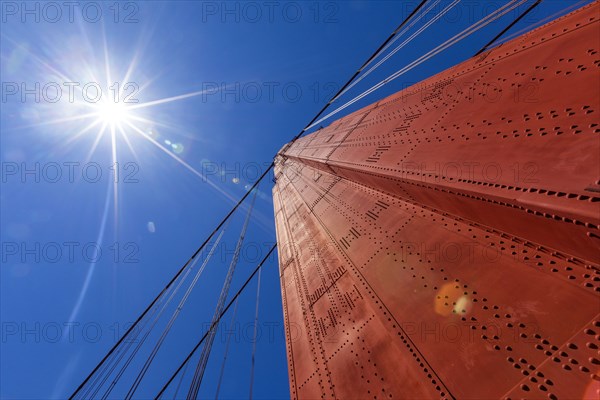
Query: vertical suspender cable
[[255, 336], [231, 324], [180, 380], [174, 316], [141, 342], [108, 367], [157, 318], [235, 297], [120, 353], [167, 286], [203, 361]]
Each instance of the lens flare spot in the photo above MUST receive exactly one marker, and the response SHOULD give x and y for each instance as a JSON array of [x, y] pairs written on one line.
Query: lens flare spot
[[462, 306], [451, 299], [177, 148]]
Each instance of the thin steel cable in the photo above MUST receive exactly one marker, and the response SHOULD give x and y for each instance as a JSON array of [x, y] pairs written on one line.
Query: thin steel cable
[[180, 380], [120, 353], [107, 369], [168, 285], [157, 318], [254, 336], [169, 325], [235, 297], [231, 324], [204, 356]]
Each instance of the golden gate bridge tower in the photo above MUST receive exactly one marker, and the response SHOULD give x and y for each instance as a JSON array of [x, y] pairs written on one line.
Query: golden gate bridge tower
[[444, 242]]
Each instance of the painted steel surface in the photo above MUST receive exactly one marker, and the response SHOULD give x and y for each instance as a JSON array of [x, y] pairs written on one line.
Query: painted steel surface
[[444, 242]]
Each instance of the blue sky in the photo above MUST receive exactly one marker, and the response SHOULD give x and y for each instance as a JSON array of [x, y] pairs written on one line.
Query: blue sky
[[221, 87]]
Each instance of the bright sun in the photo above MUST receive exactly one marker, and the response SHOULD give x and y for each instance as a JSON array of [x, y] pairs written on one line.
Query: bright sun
[[112, 113]]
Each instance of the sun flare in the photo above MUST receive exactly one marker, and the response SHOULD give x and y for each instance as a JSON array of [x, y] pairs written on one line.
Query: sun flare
[[112, 113]]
